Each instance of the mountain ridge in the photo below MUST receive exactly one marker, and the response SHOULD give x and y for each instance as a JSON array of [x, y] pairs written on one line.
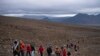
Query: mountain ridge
[[81, 19]]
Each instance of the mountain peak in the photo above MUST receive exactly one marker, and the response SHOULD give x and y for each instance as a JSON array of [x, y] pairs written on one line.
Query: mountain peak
[[81, 14]]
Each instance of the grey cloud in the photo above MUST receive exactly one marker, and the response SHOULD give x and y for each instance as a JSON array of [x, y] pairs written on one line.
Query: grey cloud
[[52, 6]]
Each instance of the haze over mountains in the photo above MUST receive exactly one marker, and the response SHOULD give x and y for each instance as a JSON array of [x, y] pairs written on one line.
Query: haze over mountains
[[77, 19]]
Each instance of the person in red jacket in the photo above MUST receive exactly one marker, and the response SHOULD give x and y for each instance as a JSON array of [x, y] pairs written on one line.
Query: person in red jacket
[[63, 51], [28, 49], [41, 50], [22, 48]]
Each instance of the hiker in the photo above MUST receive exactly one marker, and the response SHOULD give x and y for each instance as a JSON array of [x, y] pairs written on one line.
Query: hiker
[[75, 48], [63, 51], [49, 50], [29, 49], [16, 48], [71, 44], [57, 51], [22, 48], [67, 46], [33, 50], [68, 50], [41, 50]]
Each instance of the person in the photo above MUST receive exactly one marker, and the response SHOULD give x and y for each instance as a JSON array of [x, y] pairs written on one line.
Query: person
[[68, 46], [41, 50], [16, 49], [22, 48], [71, 44], [75, 48], [29, 49], [63, 51], [57, 51], [68, 50], [49, 51], [33, 50]]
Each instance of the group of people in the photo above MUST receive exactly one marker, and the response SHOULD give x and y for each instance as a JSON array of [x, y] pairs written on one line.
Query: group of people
[[22, 49]]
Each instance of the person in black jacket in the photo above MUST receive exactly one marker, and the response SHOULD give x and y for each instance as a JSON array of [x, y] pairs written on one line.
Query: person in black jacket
[[49, 50], [33, 50], [16, 48]]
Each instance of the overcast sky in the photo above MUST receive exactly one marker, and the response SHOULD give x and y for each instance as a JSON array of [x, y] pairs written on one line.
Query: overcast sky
[[52, 6]]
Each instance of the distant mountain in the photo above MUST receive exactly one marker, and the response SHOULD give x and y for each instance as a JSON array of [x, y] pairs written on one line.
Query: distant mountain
[[79, 19], [84, 19], [55, 19]]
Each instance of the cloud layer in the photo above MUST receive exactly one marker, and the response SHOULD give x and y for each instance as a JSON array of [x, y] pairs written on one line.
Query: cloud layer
[[53, 6]]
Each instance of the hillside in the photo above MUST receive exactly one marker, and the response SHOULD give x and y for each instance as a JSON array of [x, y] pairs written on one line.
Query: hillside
[[42, 32]]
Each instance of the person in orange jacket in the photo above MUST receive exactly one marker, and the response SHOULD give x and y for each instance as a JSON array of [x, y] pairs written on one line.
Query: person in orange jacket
[[22, 48], [41, 50]]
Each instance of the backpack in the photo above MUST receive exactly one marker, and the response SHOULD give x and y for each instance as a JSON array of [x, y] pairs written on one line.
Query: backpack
[[16, 48]]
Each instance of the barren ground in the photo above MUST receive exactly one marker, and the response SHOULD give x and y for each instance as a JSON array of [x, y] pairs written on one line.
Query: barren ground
[[39, 32]]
